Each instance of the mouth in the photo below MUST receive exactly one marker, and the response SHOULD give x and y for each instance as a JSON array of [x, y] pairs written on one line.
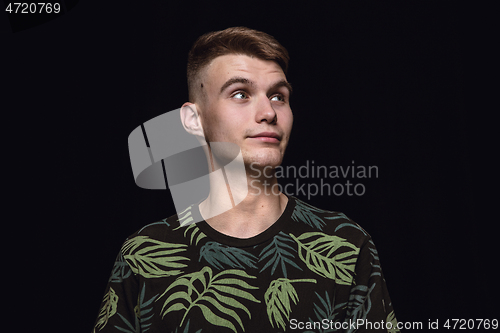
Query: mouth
[[267, 137]]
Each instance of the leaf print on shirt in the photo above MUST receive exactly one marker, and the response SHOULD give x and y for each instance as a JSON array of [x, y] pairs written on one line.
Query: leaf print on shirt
[[141, 310], [326, 309], [155, 260], [121, 270], [279, 253], [162, 222], [278, 297], [217, 254], [329, 256], [215, 295], [195, 232], [128, 326], [185, 217], [360, 303], [110, 302], [350, 224], [306, 213], [186, 329], [391, 318], [375, 263]]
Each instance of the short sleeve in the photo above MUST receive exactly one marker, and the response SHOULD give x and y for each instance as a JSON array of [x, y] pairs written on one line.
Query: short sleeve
[[117, 312], [369, 308]]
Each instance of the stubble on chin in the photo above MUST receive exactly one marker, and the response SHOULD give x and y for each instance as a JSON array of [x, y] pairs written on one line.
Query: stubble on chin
[[262, 159]]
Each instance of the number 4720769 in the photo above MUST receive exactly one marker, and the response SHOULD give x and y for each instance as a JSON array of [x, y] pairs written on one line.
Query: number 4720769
[[464, 324], [33, 7]]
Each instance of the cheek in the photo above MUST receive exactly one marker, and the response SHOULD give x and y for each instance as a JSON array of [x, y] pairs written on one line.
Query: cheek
[[210, 128], [211, 122], [221, 128], [233, 122], [291, 120], [287, 121]]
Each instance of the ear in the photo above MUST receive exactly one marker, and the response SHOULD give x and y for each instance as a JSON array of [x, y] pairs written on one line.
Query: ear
[[191, 120]]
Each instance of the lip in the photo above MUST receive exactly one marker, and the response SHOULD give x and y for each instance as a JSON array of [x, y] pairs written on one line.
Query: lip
[[267, 137]]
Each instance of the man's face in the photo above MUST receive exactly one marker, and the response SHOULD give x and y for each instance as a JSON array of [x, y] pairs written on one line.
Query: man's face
[[247, 103]]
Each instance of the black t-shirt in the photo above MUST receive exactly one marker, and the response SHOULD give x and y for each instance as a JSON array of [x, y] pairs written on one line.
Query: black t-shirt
[[311, 271]]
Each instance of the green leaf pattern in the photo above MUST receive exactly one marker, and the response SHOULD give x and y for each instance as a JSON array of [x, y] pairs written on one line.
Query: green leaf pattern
[[121, 270], [186, 329], [278, 297], [391, 318], [326, 309], [359, 302], [185, 218], [220, 287], [108, 309], [219, 294], [151, 258], [143, 309], [322, 255], [307, 214], [219, 255], [195, 234], [278, 252]]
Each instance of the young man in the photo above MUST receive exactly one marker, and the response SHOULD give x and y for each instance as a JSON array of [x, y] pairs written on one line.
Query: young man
[[257, 260]]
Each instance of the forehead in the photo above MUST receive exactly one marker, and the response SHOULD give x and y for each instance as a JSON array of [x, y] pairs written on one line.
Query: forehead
[[229, 65]]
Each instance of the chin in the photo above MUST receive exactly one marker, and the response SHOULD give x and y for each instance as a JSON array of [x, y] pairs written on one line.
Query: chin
[[271, 159]]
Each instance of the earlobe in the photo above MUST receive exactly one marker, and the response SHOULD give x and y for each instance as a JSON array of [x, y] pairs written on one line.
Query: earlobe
[[190, 119]]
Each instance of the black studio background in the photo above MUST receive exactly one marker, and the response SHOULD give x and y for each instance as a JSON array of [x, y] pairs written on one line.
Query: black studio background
[[375, 83]]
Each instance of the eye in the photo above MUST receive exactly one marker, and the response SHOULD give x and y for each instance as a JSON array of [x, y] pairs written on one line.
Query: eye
[[240, 95], [278, 98]]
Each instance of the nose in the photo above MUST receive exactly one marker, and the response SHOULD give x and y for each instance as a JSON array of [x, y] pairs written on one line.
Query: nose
[[266, 112]]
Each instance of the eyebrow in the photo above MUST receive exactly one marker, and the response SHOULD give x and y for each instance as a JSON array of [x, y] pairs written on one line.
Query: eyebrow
[[240, 79], [233, 80], [282, 83]]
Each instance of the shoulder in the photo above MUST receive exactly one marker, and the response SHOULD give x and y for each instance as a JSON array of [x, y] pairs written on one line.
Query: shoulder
[[328, 222], [165, 230], [158, 249]]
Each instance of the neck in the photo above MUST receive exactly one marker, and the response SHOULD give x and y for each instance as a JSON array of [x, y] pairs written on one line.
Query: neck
[[242, 204]]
